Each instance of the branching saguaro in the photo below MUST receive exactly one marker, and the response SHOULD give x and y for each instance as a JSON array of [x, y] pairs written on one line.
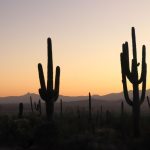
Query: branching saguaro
[[48, 93], [132, 75]]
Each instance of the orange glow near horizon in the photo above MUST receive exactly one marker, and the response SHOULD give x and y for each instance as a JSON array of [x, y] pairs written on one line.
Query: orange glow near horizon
[[87, 39]]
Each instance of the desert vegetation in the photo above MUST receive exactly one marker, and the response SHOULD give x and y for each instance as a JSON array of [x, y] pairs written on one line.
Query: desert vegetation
[[135, 81], [49, 94], [87, 128]]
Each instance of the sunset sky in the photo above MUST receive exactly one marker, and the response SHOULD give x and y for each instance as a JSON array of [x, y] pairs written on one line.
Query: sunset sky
[[87, 37]]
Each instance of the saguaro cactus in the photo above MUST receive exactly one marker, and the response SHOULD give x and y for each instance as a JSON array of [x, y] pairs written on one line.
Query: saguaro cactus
[[133, 78], [38, 107], [90, 107], [49, 94]]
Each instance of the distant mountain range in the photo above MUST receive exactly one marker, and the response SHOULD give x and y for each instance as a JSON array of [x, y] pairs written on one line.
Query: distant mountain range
[[26, 98], [110, 102]]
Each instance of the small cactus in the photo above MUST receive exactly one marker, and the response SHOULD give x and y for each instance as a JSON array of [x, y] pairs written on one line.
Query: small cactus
[[122, 109], [90, 107], [20, 114], [38, 107], [31, 103]]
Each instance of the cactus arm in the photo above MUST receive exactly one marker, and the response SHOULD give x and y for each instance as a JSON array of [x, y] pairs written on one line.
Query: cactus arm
[[126, 59], [143, 85], [143, 74], [125, 89], [43, 94], [49, 67], [42, 90], [57, 82], [134, 43], [41, 77], [143, 92], [143, 64]]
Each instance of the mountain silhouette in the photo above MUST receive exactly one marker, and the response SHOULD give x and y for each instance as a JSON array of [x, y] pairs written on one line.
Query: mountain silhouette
[[110, 102], [26, 98]]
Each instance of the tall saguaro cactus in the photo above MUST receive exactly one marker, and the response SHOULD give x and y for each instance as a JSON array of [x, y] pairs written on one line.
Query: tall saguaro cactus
[[49, 94], [132, 76]]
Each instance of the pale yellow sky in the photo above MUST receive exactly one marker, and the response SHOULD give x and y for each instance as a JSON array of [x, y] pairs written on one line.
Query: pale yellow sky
[[86, 35]]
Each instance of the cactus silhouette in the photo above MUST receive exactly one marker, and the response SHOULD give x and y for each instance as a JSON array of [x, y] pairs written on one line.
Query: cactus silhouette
[[133, 78], [90, 108], [101, 115], [20, 115], [49, 94], [31, 103], [38, 107]]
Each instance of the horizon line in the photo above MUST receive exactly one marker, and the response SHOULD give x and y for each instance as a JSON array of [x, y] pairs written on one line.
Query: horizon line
[[30, 93]]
